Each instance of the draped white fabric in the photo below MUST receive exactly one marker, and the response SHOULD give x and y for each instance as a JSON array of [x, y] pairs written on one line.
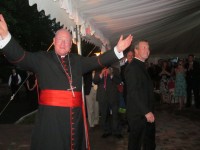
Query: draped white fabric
[[171, 26]]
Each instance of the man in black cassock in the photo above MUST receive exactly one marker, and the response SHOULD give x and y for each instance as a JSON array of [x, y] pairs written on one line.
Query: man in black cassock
[[60, 123]]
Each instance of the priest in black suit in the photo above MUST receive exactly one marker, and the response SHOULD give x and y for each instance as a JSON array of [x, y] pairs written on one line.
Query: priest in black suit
[[140, 100]]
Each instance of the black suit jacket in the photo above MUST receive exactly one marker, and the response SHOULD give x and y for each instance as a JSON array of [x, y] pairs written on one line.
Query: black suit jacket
[[87, 82], [140, 97], [111, 91], [193, 76]]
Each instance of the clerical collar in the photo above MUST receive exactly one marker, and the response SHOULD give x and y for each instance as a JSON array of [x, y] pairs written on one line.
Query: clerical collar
[[139, 59]]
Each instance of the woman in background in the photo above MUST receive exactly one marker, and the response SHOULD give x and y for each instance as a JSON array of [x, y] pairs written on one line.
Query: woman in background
[[180, 84], [165, 76]]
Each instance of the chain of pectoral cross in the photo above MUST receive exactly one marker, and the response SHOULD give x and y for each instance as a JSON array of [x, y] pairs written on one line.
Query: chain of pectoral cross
[[64, 66]]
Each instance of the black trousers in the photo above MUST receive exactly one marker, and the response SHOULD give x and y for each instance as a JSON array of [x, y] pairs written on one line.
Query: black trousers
[[195, 89], [141, 135]]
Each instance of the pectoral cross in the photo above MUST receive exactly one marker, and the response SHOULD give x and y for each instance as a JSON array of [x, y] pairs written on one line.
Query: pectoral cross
[[72, 89]]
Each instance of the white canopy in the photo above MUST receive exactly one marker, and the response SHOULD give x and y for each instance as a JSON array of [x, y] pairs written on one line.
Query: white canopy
[[171, 26]]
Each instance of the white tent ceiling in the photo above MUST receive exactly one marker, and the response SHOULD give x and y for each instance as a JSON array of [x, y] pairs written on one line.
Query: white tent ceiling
[[171, 26]]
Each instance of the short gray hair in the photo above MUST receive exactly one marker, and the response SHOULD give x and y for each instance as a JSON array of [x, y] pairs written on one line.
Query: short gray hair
[[136, 44]]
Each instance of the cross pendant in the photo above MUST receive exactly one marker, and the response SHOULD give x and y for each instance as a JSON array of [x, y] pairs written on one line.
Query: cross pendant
[[72, 89]]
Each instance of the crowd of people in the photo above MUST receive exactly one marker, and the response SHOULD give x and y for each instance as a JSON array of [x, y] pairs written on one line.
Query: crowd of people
[[177, 81], [57, 77]]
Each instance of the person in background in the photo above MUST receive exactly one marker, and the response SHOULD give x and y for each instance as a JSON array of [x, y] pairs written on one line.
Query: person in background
[[140, 101], [61, 121], [32, 90], [153, 73], [193, 81], [14, 83], [92, 104], [180, 84], [107, 80], [129, 58], [165, 76]]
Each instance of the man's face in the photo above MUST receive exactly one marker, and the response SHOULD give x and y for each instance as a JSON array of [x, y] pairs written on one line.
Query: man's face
[[190, 58], [13, 71], [143, 51], [62, 42], [129, 56]]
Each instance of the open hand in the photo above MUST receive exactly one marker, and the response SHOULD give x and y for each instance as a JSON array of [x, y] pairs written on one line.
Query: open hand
[[3, 28], [124, 43], [150, 117]]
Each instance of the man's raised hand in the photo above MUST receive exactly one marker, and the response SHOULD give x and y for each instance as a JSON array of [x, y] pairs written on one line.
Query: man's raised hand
[[124, 43], [3, 27]]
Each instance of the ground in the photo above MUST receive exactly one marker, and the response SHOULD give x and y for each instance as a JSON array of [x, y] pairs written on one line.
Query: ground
[[175, 130]]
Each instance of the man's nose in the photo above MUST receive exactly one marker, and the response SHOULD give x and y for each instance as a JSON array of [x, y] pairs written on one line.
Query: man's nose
[[63, 43]]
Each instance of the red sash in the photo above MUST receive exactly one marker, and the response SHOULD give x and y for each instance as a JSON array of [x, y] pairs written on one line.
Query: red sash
[[60, 98], [63, 98]]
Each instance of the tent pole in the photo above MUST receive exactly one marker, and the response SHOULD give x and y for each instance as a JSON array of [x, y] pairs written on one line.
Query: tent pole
[[78, 39], [83, 94]]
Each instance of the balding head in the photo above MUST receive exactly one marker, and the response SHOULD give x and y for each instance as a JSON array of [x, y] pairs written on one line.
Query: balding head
[[62, 42]]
